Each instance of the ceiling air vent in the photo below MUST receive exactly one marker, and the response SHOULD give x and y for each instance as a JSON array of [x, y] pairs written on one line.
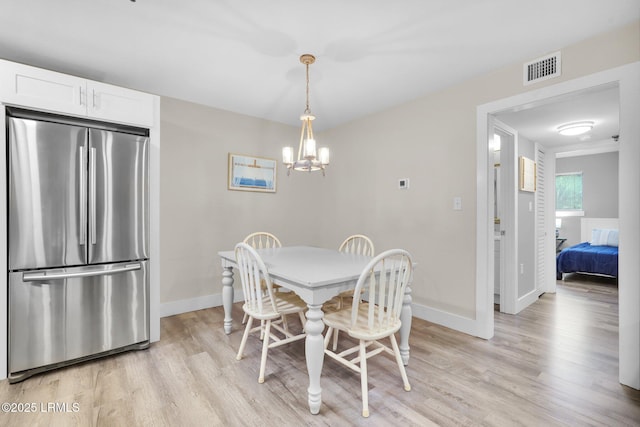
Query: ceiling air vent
[[543, 68]]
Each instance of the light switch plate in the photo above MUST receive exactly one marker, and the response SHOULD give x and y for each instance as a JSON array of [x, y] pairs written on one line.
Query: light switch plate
[[457, 203], [403, 183]]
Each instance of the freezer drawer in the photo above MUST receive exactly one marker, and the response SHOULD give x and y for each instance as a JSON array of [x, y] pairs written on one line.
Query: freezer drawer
[[59, 315]]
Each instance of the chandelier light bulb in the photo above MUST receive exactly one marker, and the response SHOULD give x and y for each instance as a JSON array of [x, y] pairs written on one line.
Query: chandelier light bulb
[[287, 155], [309, 149], [323, 155]]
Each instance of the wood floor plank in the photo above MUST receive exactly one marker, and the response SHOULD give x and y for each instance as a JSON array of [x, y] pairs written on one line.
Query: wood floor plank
[[554, 364]]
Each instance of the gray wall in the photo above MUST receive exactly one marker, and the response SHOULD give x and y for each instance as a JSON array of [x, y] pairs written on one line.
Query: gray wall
[[200, 216], [599, 186]]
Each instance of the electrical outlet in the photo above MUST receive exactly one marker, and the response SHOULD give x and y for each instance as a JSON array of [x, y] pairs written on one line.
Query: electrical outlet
[[403, 183]]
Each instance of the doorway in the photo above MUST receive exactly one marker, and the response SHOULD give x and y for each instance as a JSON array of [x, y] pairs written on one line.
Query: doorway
[[516, 262], [536, 124], [628, 79]]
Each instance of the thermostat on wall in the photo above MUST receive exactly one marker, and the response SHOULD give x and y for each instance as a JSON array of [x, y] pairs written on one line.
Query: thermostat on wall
[[403, 183]]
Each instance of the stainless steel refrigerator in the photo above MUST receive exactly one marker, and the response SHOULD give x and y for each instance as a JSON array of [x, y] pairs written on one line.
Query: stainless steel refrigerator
[[78, 234]]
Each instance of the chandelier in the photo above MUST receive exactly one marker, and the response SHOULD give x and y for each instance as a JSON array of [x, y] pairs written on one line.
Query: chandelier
[[309, 159]]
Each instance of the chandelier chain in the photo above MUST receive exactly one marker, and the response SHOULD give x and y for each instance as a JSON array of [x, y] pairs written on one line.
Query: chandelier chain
[[307, 110]]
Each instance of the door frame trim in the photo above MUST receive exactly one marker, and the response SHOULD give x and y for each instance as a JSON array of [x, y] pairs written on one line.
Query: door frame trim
[[628, 79]]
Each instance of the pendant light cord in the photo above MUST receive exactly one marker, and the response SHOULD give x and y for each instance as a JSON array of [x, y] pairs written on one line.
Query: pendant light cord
[[307, 110]]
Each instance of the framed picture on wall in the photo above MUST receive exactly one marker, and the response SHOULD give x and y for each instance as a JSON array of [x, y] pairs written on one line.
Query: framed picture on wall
[[527, 174], [250, 173]]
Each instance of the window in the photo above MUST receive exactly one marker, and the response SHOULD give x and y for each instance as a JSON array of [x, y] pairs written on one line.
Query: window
[[569, 194]]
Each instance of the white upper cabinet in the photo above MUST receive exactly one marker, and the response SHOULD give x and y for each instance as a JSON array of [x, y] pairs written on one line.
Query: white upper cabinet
[[113, 103], [27, 86], [47, 90]]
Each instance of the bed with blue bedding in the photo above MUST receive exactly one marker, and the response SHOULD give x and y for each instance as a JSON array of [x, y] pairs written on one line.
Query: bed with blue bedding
[[587, 258]]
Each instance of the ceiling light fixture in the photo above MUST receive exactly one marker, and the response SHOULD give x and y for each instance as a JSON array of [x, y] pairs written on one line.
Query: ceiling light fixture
[[308, 158], [576, 128]]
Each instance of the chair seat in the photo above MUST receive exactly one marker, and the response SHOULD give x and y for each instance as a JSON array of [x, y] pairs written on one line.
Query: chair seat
[[341, 320], [286, 303]]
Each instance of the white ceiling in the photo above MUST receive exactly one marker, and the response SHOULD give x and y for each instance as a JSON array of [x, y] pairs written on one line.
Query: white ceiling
[[242, 56], [539, 123]]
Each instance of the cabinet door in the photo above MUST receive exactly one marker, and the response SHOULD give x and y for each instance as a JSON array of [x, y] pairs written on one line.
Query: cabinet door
[[46, 90], [113, 103]]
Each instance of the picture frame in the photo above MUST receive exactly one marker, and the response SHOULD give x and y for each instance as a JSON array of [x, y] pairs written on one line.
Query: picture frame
[[528, 175], [251, 173]]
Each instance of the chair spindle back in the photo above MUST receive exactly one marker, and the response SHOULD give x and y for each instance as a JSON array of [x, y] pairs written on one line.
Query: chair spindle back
[[262, 240], [253, 273], [357, 244], [384, 280]]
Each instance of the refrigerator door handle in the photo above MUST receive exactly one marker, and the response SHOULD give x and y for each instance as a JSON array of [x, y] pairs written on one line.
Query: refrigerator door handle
[[36, 277], [92, 194], [83, 198]]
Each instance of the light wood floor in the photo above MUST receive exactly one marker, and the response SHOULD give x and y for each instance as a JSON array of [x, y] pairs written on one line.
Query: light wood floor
[[556, 363]]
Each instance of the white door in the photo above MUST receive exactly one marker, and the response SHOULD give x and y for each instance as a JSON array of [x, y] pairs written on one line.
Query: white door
[[545, 208], [508, 215], [541, 229]]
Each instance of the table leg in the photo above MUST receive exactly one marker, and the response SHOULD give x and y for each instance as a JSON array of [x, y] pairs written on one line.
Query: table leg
[[405, 318], [314, 350], [227, 297]]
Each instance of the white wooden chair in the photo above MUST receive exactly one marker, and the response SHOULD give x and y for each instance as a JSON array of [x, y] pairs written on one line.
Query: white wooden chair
[[357, 244], [384, 281], [265, 306], [354, 244], [262, 240]]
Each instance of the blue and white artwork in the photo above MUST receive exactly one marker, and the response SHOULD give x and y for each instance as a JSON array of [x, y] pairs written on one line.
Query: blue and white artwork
[[252, 173]]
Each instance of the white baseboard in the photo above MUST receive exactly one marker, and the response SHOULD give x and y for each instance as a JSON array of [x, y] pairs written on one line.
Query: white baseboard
[[192, 304], [453, 321]]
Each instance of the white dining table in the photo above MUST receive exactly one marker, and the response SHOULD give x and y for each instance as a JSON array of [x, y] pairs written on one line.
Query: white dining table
[[316, 275]]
